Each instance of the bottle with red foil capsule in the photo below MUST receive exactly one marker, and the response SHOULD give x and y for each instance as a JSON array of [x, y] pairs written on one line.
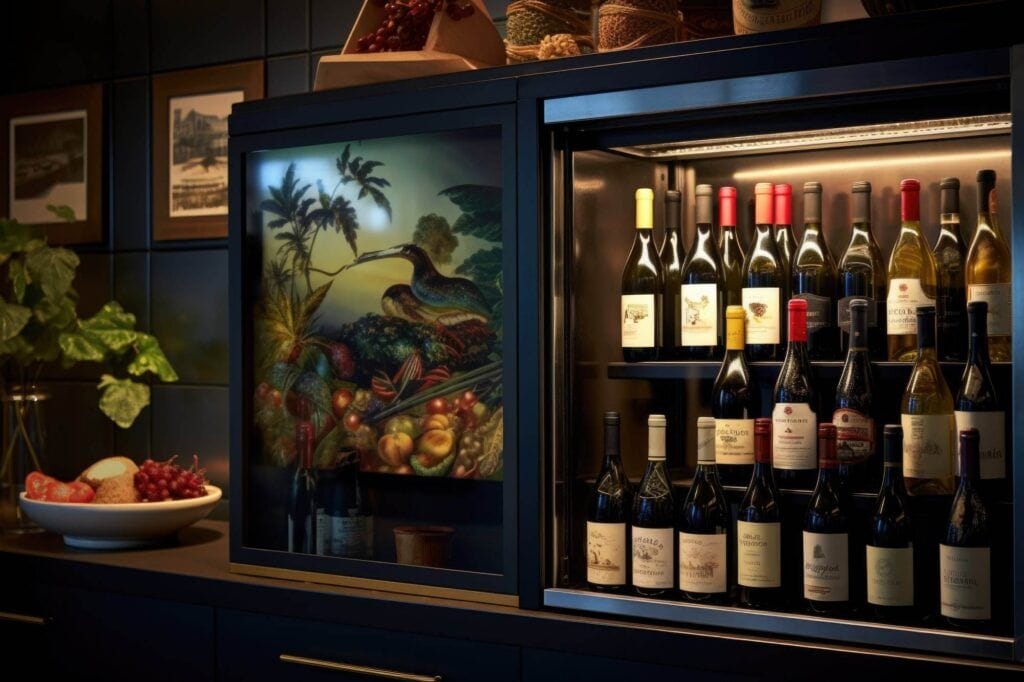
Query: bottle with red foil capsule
[[764, 284], [796, 407], [759, 528], [911, 277], [730, 248], [784, 240], [854, 406], [826, 534]]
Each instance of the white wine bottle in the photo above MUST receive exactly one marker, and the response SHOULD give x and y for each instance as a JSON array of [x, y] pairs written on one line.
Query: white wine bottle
[[988, 269], [642, 286], [911, 276]]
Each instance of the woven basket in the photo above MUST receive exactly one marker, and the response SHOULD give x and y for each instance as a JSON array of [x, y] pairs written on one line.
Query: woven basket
[[625, 24]]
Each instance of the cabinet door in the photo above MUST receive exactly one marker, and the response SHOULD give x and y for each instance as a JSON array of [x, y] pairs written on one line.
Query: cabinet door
[[555, 666], [22, 618], [253, 646], [112, 636]]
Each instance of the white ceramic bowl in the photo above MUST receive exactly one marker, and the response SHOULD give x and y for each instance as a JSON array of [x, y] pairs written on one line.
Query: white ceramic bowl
[[118, 526]]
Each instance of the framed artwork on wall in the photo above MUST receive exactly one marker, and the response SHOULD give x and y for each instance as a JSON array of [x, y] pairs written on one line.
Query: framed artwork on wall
[[51, 149], [190, 147]]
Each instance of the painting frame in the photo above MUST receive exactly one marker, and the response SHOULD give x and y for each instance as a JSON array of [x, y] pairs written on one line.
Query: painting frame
[[246, 77], [49, 106]]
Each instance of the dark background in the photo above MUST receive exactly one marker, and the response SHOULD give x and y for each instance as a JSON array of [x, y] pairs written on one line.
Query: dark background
[[178, 290]]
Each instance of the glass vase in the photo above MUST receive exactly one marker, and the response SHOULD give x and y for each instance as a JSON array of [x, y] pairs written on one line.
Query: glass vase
[[24, 445]]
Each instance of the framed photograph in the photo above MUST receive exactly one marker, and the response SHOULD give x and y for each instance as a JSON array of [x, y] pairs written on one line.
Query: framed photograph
[[51, 148], [190, 147]]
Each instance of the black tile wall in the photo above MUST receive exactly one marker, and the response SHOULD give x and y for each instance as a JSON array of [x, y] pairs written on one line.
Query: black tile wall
[[177, 292]]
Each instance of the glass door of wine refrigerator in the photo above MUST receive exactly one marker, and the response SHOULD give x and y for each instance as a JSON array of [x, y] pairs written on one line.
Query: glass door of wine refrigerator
[[737, 134]]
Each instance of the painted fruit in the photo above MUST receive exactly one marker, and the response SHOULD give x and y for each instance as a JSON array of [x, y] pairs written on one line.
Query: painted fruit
[[340, 400], [402, 424], [426, 465], [437, 443], [395, 448], [439, 406], [353, 421], [342, 361], [436, 421]]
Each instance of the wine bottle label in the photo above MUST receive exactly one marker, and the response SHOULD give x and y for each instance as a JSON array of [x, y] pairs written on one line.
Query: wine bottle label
[[905, 295], [761, 307], [637, 320], [702, 563], [323, 531], [926, 445], [855, 435], [606, 553], [352, 535], [991, 442], [759, 554], [794, 436], [843, 312], [652, 557], [699, 315], [999, 309], [890, 576], [734, 441], [964, 582], [826, 566], [818, 311]]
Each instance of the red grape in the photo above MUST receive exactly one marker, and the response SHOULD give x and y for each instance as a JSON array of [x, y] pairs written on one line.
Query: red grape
[[158, 481]]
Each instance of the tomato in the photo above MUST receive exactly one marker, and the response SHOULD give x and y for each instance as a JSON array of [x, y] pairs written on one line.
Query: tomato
[[81, 492], [37, 484], [58, 492], [439, 406], [353, 421], [340, 401], [275, 398], [469, 399]]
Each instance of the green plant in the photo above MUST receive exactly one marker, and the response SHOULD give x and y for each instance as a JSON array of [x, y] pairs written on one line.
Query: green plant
[[39, 323]]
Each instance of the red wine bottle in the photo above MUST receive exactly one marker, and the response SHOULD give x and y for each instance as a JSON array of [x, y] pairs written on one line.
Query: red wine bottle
[[890, 545], [814, 279], [951, 293], [784, 240], [704, 524], [348, 517], [826, 536], [672, 255], [795, 411], [966, 548], [764, 284], [759, 529], [302, 497], [735, 402], [862, 274], [642, 286], [608, 516], [653, 519], [855, 404], [977, 404], [730, 247], [702, 287]]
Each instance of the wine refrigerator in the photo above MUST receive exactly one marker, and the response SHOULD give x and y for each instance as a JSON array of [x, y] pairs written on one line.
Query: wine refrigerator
[[926, 118]]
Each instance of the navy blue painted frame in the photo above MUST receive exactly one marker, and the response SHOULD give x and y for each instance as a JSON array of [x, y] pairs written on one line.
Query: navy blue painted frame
[[245, 268]]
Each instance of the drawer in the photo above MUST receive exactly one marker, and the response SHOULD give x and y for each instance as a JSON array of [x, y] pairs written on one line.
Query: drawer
[[250, 647], [23, 626], [555, 666]]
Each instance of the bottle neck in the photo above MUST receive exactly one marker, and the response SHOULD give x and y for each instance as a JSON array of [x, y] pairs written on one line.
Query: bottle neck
[[828, 472], [950, 222], [892, 476], [858, 329], [656, 445], [734, 339], [645, 212], [813, 232], [977, 348], [926, 338], [611, 443], [910, 207]]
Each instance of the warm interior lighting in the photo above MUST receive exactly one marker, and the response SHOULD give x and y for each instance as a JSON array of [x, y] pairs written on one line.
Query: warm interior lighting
[[867, 162], [945, 128]]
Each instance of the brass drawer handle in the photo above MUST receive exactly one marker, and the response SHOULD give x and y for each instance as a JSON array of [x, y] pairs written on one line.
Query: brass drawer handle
[[19, 618], [379, 673]]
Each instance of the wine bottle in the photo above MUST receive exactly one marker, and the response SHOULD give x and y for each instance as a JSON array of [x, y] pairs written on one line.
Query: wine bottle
[[782, 194], [735, 402], [764, 285], [642, 284], [702, 287], [862, 275], [926, 414], [965, 551], [795, 411], [826, 534], [814, 279], [854, 407], [653, 520], [608, 515], [672, 257], [890, 546], [989, 271], [951, 294], [911, 276], [348, 513], [977, 404], [759, 528], [730, 247], [302, 497], [704, 523]]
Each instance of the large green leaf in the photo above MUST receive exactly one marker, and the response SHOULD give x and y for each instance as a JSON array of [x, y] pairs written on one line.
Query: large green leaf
[[150, 358], [78, 347], [111, 326], [16, 237], [481, 210], [122, 399], [53, 269], [62, 212], [13, 318], [19, 279], [484, 268], [59, 313]]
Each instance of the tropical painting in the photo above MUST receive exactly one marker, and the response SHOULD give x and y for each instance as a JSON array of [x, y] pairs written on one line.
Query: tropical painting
[[379, 312]]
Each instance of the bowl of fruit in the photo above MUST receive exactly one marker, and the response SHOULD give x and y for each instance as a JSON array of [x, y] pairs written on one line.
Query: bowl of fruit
[[115, 504]]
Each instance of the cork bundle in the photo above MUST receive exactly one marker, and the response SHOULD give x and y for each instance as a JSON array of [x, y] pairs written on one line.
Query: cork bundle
[[540, 29]]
